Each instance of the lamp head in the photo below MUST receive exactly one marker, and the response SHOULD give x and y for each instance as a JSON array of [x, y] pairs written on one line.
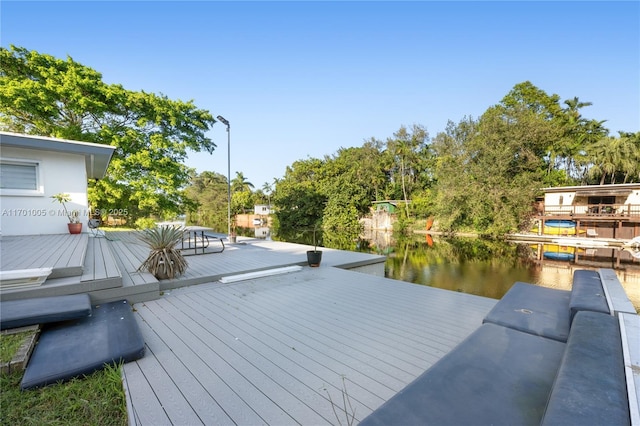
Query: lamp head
[[223, 120]]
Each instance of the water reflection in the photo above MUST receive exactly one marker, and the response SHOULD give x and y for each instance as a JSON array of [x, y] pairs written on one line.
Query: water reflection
[[484, 268]]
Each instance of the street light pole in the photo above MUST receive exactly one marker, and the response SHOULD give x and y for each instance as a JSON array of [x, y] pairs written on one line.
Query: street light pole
[[226, 123]]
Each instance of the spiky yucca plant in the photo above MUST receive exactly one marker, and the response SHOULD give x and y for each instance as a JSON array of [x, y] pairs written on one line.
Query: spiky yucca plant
[[164, 261]]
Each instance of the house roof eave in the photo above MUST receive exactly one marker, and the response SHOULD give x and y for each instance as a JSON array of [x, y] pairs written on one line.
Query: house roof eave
[[97, 156]]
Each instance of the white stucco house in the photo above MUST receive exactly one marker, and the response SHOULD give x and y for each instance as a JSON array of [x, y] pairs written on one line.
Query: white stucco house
[[33, 168], [262, 209]]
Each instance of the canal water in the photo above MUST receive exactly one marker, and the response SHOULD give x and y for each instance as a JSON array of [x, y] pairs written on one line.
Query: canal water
[[471, 265], [483, 268]]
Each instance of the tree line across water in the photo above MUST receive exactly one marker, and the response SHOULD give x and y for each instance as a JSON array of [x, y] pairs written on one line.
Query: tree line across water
[[479, 174]]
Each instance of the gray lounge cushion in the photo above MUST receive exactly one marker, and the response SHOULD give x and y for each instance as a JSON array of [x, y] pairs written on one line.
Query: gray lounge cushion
[[587, 293], [42, 310], [590, 388], [496, 376], [78, 347], [535, 310]]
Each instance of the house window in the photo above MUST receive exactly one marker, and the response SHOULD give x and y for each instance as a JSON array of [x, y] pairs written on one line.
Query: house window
[[601, 200], [20, 177]]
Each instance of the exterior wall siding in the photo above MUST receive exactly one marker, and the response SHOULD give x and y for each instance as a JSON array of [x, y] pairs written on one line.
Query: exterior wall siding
[[39, 214]]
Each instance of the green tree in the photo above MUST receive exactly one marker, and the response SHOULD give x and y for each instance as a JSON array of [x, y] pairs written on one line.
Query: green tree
[[615, 157], [208, 191], [44, 95], [298, 199], [409, 151], [577, 134], [241, 202], [240, 183], [267, 190], [451, 168], [488, 171]]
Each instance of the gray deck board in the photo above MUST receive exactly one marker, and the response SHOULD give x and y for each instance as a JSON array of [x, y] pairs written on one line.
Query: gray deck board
[[99, 263], [62, 252], [288, 374], [352, 327], [282, 395], [275, 350], [188, 386], [203, 370], [147, 408], [268, 344], [370, 387], [311, 335], [129, 257]]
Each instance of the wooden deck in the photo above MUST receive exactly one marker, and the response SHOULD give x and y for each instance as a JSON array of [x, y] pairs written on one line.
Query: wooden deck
[[107, 268], [275, 350], [63, 252], [80, 264], [278, 350]]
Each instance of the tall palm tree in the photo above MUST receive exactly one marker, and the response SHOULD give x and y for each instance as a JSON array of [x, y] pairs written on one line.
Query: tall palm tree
[[630, 156], [267, 189], [240, 183], [577, 133], [606, 158]]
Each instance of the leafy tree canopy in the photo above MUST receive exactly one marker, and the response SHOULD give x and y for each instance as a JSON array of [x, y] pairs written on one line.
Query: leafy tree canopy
[[44, 95]]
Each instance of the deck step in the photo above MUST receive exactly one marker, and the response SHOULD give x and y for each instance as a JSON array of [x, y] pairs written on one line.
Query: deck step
[[63, 253], [100, 263], [137, 286], [97, 272]]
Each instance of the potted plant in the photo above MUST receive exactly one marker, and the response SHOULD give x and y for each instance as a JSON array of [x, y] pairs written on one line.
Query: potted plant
[[74, 225], [314, 257], [164, 261]]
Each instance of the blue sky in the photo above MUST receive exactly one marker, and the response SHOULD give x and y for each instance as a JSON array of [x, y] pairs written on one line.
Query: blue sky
[[302, 79]]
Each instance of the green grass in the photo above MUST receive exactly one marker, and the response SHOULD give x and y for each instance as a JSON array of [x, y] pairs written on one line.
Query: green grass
[[97, 399], [10, 343]]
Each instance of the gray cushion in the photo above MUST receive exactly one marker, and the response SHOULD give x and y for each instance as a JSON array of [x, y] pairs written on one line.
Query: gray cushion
[[535, 310], [42, 310], [81, 346], [590, 388], [587, 293], [495, 376]]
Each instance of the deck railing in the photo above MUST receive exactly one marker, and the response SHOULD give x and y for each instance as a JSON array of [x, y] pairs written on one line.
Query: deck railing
[[594, 210]]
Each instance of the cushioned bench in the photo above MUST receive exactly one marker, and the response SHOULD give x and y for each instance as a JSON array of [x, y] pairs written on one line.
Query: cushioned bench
[[535, 310], [548, 312], [495, 376], [590, 387], [542, 355], [587, 293], [502, 376]]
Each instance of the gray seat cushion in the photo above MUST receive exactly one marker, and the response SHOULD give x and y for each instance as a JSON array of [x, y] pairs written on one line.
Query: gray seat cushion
[[78, 347], [535, 310], [587, 293], [590, 388], [496, 376], [42, 310]]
